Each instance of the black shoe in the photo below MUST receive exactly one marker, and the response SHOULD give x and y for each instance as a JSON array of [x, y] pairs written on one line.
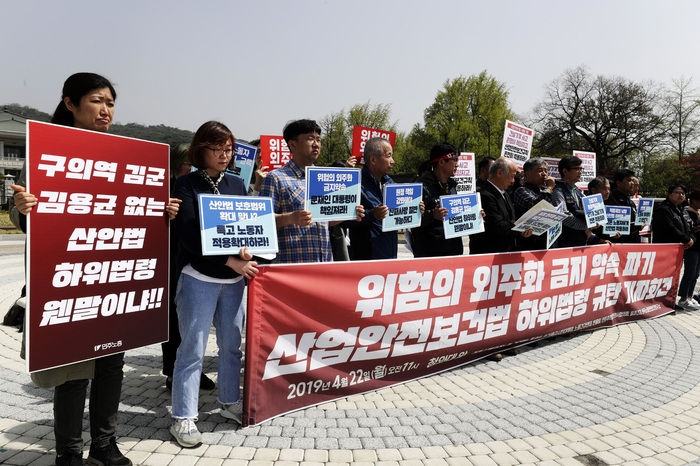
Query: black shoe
[[169, 383], [205, 383], [70, 459], [108, 456], [512, 352]]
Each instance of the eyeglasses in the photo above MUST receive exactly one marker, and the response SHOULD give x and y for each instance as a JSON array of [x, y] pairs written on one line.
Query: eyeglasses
[[679, 193], [218, 152], [311, 138]]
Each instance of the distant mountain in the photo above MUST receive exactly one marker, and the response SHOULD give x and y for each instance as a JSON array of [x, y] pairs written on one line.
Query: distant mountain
[[158, 133]]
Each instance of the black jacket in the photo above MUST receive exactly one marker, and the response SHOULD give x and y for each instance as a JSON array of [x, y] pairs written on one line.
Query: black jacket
[[671, 224]]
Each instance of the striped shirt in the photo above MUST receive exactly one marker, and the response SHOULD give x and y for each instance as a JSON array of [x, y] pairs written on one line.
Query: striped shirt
[[287, 187]]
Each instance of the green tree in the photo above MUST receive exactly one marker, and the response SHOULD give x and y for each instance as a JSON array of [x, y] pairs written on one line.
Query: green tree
[[337, 129], [469, 113]]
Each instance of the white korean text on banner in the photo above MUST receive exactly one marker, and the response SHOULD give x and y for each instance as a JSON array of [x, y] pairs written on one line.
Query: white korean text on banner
[[231, 223], [245, 162], [465, 176], [463, 214], [332, 193], [540, 218], [645, 207], [517, 143], [274, 152], [403, 202], [619, 220], [98, 244], [362, 326], [360, 136], [594, 208]]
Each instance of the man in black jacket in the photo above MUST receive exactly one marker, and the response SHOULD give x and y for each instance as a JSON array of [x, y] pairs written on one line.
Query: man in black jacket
[[624, 188], [428, 240], [498, 234]]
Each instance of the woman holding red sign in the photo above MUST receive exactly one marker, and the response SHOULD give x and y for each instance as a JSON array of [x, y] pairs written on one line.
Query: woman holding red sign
[[87, 103], [210, 288]]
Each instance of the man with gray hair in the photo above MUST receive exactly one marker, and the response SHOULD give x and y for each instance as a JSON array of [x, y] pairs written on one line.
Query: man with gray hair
[[498, 234], [367, 240]]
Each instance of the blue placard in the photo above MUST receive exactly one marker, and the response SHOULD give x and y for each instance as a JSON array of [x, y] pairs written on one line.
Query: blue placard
[[403, 201], [332, 193], [464, 214], [595, 210], [245, 162], [619, 220], [555, 232], [644, 210], [230, 223]]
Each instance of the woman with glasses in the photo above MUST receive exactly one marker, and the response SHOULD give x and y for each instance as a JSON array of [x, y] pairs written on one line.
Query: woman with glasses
[[670, 223], [210, 288]]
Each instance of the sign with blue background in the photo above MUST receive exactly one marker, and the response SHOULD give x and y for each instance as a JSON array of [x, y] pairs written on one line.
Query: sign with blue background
[[332, 193], [403, 201], [595, 210], [619, 219], [245, 162], [230, 223], [464, 214]]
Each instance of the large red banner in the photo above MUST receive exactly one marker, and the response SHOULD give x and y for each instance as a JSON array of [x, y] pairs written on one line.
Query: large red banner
[[318, 332], [98, 244]]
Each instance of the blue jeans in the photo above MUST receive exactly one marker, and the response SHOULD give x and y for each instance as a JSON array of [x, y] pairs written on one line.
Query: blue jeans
[[691, 264], [199, 304]]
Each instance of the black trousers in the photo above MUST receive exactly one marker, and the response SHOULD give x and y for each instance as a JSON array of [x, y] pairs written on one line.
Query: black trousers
[[69, 406]]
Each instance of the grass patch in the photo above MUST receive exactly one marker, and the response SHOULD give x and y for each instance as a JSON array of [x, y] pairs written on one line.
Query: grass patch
[[6, 226]]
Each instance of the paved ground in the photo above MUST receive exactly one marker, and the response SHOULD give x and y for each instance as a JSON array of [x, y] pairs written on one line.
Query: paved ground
[[626, 395]]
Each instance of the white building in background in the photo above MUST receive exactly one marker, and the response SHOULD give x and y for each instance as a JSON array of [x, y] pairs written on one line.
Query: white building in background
[[13, 150]]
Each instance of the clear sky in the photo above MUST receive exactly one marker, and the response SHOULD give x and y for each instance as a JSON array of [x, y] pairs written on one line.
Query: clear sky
[[255, 65]]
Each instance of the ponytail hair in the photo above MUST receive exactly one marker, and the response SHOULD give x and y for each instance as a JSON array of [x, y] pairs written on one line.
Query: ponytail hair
[[75, 87]]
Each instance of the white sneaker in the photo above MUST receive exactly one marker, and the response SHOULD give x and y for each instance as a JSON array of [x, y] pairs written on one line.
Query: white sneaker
[[233, 411], [186, 433], [688, 305], [694, 301]]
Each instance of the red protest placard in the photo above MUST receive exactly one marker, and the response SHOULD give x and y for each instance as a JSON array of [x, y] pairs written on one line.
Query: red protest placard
[[360, 136], [274, 152], [98, 244], [362, 326]]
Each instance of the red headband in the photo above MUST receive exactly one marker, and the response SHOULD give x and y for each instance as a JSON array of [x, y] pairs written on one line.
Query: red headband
[[451, 155]]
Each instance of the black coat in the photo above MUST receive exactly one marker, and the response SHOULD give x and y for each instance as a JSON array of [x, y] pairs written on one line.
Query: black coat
[[498, 235]]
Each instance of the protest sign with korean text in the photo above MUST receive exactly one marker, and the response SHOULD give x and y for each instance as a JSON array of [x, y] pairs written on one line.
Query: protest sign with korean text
[[245, 162], [645, 208], [230, 223], [332, 193], [360, 136], [594, 208], [517, 143], [539, 218], [463, 214], [98, 244], [555, 232], [274, 152], [465, 176], [619, 220], [589, 168], [368, 325], [403, 201]]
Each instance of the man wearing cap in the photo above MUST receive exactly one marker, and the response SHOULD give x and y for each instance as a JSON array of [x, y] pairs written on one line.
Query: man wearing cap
[[428, 240]]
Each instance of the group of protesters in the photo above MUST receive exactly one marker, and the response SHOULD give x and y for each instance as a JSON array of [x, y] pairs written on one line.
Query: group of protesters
[[209, 289]]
